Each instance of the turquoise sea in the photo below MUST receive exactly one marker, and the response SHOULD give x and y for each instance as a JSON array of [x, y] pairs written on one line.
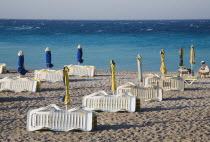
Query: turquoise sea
[[102, 41]]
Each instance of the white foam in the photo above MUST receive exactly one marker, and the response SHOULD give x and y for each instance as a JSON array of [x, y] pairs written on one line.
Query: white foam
[[149, 29]]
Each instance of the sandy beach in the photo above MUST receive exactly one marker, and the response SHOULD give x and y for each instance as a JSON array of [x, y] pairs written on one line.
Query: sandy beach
[[181, 116]]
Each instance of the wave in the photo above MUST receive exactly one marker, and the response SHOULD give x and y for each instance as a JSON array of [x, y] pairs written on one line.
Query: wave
[[149, 29], [99, 31], [191, 25], [21, 28]]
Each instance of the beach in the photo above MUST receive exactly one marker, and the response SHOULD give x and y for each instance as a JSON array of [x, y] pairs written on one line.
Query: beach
[[181, 116]]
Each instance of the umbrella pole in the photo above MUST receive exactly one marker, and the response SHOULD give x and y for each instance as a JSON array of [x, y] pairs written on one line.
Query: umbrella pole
[[191, 69], [66, 106], [141, 83]]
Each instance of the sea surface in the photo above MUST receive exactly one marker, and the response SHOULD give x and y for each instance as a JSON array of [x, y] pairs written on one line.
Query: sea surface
[[102, 41]]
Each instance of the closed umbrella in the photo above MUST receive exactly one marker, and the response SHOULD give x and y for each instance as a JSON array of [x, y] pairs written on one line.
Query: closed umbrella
[[113, 84], [192, 57], [48, 58], [181, 55], [21, 68], [163, 66], [139, 62], [79, 54], [66, 83]]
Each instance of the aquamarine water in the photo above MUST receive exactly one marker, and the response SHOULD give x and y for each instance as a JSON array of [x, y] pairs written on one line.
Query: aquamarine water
[[102, 41]]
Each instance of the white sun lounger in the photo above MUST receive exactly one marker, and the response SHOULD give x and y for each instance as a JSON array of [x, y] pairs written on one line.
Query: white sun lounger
[[78, 70], [55, 119], [149, 93], [19, 84], [49, 75], [3, 68], [167, 83], [101, 101], [190, 79], [152, 80], [181, 72]]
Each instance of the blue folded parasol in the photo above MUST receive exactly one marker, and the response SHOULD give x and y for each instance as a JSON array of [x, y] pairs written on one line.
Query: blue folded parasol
[[21, 68], [79, 54], [48, 58]]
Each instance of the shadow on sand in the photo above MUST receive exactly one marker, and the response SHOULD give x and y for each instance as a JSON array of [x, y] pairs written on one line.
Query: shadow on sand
[[181, 98], [162, 109], [13, 99]]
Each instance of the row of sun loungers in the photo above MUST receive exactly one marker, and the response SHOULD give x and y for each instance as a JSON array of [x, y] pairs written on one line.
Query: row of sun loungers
[[128, 98], [54, 76]]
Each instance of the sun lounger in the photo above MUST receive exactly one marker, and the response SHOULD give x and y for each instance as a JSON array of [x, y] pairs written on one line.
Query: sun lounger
[[172, 83], [49, 75], [78, 70], [101, 101], [2, 68], [55, 119], [149, 93], [183, 71], [166, 82], [19, 84], [152, 79], [190, 79]]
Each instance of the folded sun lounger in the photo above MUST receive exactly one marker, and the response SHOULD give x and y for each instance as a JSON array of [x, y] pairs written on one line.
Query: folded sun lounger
[[149, 93], [79, 70], [19, 84], [2, 68], [166, 82], [55, 119], [101, 101], [49, 75], [183, 71]]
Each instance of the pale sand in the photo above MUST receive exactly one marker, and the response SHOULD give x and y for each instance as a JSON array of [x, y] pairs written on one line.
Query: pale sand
[[181, 116]]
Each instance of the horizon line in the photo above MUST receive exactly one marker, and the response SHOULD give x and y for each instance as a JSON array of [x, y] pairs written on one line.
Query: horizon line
[[102, 19]]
